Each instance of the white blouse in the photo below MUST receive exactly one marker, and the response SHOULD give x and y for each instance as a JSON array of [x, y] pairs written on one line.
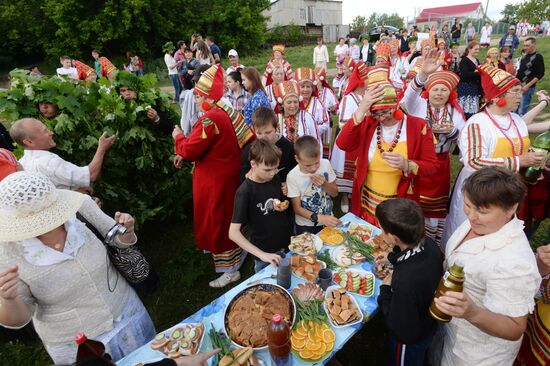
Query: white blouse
[[501, 276]]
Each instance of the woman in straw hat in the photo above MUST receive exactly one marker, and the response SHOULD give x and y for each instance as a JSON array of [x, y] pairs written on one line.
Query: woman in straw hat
[[497, 136], [214, 145], [53, 270], [438, 105], [393, 149], [343, 162], [293, 121]]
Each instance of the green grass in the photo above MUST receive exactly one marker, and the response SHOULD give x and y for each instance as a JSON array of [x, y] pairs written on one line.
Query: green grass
[[185, 271]]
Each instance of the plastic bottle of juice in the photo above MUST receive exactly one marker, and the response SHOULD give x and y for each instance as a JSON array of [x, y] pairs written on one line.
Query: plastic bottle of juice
[[88, 348], [278, 342]]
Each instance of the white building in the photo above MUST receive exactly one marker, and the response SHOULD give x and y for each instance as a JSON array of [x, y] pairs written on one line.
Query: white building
[[314, 16]]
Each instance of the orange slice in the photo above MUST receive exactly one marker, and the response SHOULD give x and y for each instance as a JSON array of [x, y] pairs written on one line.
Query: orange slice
[[321, 350], [313, 346], [298, 334], [297, 344], [328, 336], [305, 354], [329, 346]]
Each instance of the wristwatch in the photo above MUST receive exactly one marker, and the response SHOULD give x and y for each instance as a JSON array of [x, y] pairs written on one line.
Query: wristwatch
[[314, 218]]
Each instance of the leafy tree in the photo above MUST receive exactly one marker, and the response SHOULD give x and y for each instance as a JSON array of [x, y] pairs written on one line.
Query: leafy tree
[[137, 175], [74, 27], [359, 24], [376, 19], [510, 13]]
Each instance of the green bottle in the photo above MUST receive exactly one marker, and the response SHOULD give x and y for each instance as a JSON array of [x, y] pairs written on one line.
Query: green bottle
[[541, 144]]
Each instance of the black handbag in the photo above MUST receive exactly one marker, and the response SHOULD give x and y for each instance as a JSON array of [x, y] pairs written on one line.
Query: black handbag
[[129, 262]]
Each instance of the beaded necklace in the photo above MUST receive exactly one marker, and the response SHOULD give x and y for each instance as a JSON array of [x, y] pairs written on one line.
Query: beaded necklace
[[504, 132], [395, 138], [433, 118]]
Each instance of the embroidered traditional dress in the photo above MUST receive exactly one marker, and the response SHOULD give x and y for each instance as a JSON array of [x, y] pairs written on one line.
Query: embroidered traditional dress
[[343, 162], [319, 113], [271, 95], [434, 190], [214, 145], [328, 99], [417, 139], [296, 126], [486, 140]]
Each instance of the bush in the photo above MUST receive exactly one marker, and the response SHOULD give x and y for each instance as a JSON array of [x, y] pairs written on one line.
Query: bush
[[138, 176]]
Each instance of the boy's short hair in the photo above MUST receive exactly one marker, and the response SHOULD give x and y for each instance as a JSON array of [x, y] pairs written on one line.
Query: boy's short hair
[[266, 152], [403, 218], [264, 116], [63, 58], [307, 146], [494, 186]]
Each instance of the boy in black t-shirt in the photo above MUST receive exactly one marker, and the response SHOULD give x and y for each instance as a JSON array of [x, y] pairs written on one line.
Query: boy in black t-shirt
[[258, 205], [407, 293], [264, 123]]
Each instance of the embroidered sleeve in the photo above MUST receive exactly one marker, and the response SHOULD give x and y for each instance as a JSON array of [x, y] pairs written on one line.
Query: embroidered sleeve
[[478, 154]]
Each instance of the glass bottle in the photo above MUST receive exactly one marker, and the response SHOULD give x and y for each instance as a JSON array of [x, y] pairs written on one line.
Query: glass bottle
[[541, 144], [452, 280]]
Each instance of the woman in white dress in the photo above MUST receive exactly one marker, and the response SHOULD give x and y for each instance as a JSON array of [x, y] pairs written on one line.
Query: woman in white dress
[[500, 274], [485, 39]]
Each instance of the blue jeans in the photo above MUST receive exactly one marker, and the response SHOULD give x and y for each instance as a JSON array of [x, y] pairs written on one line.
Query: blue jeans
[[414, 354], [177, 86], [525, 101]]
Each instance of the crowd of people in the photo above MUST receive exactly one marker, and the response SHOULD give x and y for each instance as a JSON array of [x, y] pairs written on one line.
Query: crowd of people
[[267, 166]]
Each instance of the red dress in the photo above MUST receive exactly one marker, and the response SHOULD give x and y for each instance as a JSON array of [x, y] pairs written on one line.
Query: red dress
[[212, 145], [420, 150]]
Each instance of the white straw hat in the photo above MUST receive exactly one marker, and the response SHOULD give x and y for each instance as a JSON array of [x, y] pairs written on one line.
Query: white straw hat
[[30, 205]]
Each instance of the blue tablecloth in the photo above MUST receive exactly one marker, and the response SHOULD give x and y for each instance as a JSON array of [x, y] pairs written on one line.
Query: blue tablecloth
[[212, 314]]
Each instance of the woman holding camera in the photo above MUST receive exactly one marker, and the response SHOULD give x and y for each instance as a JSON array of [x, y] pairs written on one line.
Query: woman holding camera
[[55, 271]]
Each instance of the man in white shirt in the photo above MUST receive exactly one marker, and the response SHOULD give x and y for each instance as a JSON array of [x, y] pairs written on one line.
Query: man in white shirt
[[233, 56], [67, 68], [37, 139]]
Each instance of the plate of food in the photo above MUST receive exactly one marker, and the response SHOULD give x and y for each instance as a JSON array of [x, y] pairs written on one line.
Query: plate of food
[[181, 340], [357, 281], [306, 267], [305, 244], [343, 258], [312, 342], [363, 232], [306, 292], [342, 308], [331, 236], [248, 315]]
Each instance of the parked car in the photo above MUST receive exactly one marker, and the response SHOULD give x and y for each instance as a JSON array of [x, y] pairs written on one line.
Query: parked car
[[374, 33]]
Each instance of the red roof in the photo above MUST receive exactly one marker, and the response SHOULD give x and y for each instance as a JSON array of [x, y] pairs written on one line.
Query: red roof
[[446, 12]]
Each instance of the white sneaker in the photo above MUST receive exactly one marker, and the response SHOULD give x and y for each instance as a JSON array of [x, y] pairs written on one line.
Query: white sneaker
[[344, 207], [225, 279]]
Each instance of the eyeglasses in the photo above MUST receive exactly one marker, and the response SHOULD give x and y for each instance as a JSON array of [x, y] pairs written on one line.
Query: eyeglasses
[[515, 94], [382, 113]]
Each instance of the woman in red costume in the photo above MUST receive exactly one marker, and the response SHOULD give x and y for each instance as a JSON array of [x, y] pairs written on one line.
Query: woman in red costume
[[214, 145], [277, 56], [393, 148], [439, 106]]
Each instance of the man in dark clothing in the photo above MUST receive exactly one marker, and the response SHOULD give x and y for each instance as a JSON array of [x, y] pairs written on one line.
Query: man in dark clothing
[[5, 140], [407, 293], [531, 70], [403, 41], [216, 52], [456, 30]]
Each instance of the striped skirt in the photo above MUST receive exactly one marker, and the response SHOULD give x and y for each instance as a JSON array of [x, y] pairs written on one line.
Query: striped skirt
[[229, 261]]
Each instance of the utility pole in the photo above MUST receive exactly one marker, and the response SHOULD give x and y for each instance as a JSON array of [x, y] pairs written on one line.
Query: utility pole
[[486, 9]]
